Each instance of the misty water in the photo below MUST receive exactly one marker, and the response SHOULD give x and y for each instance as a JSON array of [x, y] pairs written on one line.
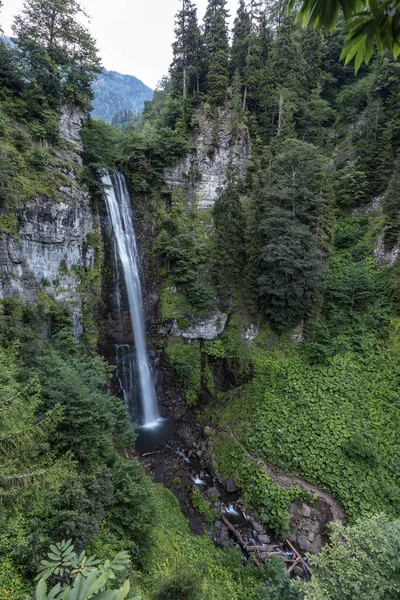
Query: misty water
[[120, 212]]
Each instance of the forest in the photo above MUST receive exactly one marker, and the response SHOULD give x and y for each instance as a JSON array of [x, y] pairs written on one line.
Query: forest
[[265, 183]]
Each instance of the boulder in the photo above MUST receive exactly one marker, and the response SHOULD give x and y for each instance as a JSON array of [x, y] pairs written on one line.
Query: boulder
[[264, 539], [258, 528], [231, 486], [303, 543], [212, 492]]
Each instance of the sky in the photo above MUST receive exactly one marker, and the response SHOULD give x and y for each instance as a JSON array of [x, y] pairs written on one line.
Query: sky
[[134, 36]]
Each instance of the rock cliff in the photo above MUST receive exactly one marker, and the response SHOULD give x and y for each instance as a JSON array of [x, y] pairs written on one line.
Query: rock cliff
[[54, 245], [216, 144]]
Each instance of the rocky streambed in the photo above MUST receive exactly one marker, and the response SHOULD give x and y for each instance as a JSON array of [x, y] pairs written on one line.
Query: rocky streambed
[[184, 464]]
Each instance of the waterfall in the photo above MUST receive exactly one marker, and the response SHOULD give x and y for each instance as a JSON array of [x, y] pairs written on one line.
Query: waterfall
[[120, 212]]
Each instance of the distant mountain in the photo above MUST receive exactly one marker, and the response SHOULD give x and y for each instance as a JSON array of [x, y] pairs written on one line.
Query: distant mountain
[[116, 93]]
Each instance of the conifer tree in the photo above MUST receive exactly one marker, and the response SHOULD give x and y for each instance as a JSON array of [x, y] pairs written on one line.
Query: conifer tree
[[241, 32], [229, 248], [60, 51], [292, 257], [217, 50], [188, 53]]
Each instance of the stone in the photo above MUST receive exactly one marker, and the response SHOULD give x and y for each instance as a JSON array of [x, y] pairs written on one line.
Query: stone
[[258, 528], [251, 333], [221, 539], [298, 571], [305, 510], [208, 328], [264, 539], [201, 173], [231, 486], [316, 545], [212, 492], [54, 234], [386, 258], [71, 121], [303, 543]]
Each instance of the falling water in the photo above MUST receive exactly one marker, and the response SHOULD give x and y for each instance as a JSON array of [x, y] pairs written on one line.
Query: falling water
[[120, 213]]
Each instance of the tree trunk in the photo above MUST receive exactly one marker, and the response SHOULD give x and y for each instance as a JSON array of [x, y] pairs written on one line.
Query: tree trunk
[[280, 115]]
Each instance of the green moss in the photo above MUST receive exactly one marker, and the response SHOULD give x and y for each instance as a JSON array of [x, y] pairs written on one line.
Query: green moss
[[185, 357], [90, 287]]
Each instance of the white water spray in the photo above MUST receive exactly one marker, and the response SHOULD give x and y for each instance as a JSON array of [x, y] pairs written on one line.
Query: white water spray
[[120, 212]]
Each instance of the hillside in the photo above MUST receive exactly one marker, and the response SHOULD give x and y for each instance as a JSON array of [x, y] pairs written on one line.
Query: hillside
[[237, 248], [115, 93]]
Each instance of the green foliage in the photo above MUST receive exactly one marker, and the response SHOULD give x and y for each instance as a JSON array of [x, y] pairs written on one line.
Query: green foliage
[[60, 51], [391, 208], [350, 183], [65, 565], [184, 586], [27, 170], [184, 248], [84, 576], [187, 68], [229, 248], [186, 360], [202, 506], [218, 78], [271, 501], [292, 233], [361, 561], [368, 21]]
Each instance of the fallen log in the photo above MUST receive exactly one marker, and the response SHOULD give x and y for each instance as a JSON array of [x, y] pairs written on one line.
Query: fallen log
[[235, 533], [303, 562]]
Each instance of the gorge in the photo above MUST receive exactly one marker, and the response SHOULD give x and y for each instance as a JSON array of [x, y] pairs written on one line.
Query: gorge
[[200, 316]]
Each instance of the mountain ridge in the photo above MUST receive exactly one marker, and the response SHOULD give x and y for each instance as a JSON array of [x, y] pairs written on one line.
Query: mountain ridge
[[118, 93]]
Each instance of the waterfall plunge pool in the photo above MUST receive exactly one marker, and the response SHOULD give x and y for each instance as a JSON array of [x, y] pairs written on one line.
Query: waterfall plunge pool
[[153, 435]]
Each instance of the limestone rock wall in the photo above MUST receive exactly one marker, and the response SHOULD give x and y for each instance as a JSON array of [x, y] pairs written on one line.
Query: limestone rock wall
[[54, 237], [216, 143]]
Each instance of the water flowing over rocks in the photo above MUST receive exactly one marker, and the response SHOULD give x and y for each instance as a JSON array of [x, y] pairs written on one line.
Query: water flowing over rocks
[[215, 147]]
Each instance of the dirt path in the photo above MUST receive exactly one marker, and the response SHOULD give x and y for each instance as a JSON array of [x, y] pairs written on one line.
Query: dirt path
[[285, 480]]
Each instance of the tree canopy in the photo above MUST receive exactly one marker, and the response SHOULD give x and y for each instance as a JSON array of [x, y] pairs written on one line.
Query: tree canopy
[[367, 21], [60, 51]]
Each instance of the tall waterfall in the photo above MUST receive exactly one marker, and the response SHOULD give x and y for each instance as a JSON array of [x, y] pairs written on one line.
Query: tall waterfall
[[120, 212]]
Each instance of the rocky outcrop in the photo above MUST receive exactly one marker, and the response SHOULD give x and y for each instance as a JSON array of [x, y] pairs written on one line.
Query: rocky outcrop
[[216, 144], [208, 328], [383, 257], [54, 239]]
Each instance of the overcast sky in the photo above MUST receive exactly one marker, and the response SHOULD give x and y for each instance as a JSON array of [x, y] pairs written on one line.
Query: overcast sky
[[134, 36]]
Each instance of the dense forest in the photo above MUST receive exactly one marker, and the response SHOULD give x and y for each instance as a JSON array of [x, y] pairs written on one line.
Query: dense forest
[[265, 178]]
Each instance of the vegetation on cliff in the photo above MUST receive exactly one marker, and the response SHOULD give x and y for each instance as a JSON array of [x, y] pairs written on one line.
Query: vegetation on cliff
[[301, 253]]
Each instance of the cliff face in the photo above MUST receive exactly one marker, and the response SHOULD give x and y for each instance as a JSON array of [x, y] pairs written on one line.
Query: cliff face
[[55, 242], [217, 143]]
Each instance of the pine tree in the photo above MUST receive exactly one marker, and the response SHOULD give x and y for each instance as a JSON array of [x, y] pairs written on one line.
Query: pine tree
[[247, 47], [188, 53], [23, 435], [229, 248], [241, 32], [61, 53], [292, 228], [217, 50], [218, 77]]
